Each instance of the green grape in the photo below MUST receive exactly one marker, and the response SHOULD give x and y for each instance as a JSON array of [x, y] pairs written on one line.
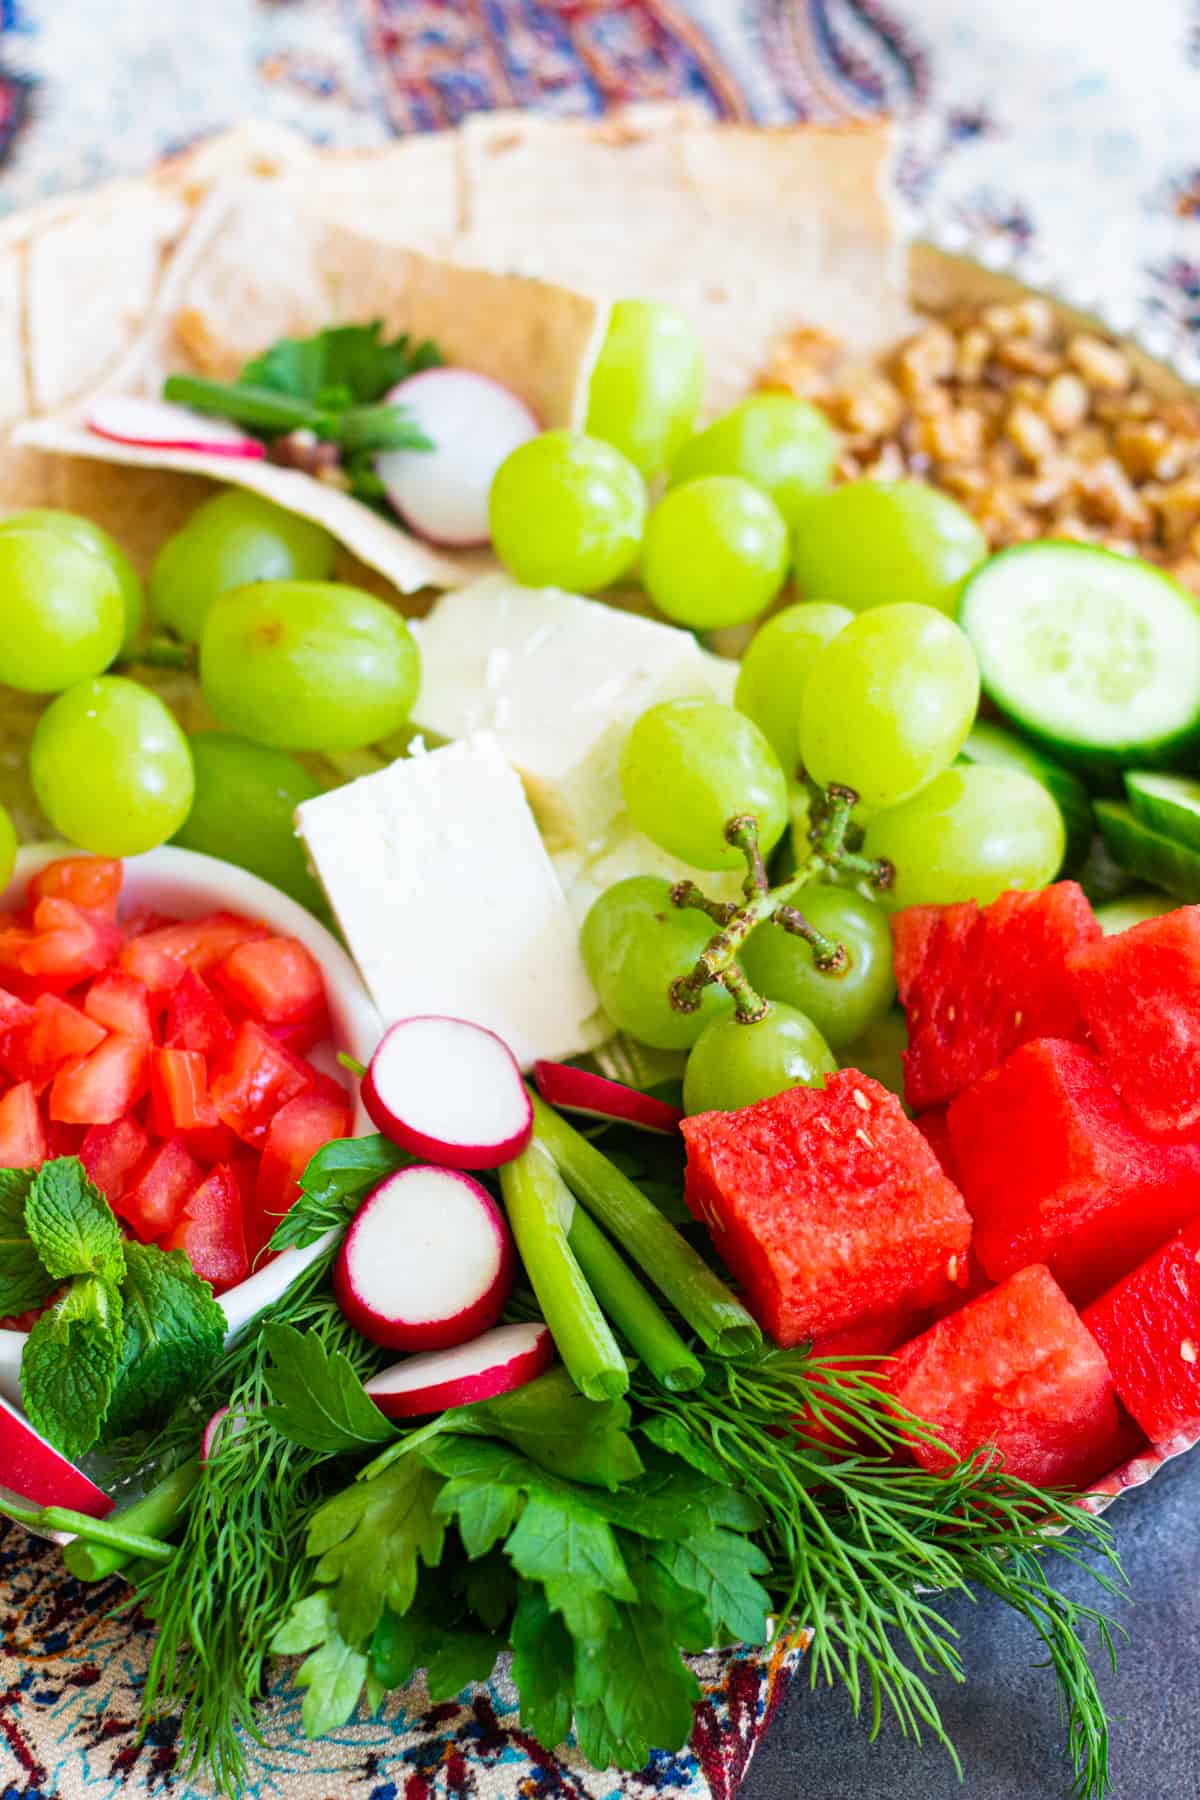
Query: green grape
[[971, 834], [62, 617], [688, 767], [8, 847], [872, 543], [229, 541], [308, 665], [775, 668], [81, 531], [733, 1064], [1132, 909], [715, 552], [111, 768], [635, 944], [246, 796], [647, 384], [879, 1052], [783, 445], [888, 704], [567, 511], [841, 1004]]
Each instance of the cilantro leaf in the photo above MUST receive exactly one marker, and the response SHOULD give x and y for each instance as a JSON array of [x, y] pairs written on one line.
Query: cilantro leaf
[[721, 1567], [463, 1656], [24, 1283], [72, 1225], [333, 1674], [332, 1184], [69, 1365], [320, 1402], [552, 1423], [347, 363], [370, 1539], [543, 1668], [174, 1331]]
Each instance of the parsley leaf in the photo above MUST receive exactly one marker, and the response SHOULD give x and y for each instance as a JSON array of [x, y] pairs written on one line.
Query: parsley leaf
[[69, 1365], [332, 1185], [333, 1674], [543, 1668], [24, 1283], [464, 1655], [489, 1588], [557, 1428], [634, 1693], [345, 364], [721, 1567], [72, 1225], [370, 1539], [174, 1332], [320, 1402]]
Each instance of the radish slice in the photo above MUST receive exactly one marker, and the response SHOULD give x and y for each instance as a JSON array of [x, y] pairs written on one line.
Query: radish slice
[[450, 1092], [34, 1471], [427, 1263], [474, 423], [574, 1090], [495, 1363], [159, 425]]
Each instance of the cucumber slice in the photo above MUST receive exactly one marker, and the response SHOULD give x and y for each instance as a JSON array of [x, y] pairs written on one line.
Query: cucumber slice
[[1134, 909], [1147, 854], [1096, 656], [1166, 803], [988, 743]]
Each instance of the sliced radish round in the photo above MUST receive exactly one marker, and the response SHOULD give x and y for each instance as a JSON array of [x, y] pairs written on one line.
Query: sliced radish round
[[449, 1091], [473, 423], [495, 1363], [427, 1263], [36, 1472], [575, 1090], [160, 425]]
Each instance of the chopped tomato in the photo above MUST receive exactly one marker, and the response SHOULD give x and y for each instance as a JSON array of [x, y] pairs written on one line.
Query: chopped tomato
[[154, 1202], [62, 1139], [120, 1003], [275, 978], [111, 1153], [211, 1144], [22, 1140], [211, 1232], [296, 1133], [104, 1085], [93, 882], [57, 1035], [159, 957], [195, 1019], [255, 1079], [13, 1012], [143, 919], [179, 1097], [68, 944], [14, 939], [304, 1035]]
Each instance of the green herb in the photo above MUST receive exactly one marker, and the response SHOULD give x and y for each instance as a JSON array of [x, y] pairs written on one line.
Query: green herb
[[69, 1365], [24, 1283], [155, 1514], [319, 1400], [369, 1540], [333, 1675], [71, 1225], [552, 1423], [631, 1309], [347, 363], [111, 1533], [333, 1184], [173, 1331]]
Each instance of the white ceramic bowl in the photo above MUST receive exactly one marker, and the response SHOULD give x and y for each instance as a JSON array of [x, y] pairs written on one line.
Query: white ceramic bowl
[[184, 884]]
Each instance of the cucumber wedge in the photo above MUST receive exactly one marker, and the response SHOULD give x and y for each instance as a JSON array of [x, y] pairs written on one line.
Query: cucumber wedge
[[1148, 854], [1134, 909], [1169, 804], [988, 743], [1096, 656]]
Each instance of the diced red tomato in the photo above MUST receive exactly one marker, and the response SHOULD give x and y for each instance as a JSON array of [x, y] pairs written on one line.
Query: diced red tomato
[[159, 957], [13, 1012], [304, 1035], [15, 938], [57, 1035], [211, 1232], [211, 1144], [120, 1003], [63, 1139], [110, 1154], [22, 1139], [256, 1079], [104, 1086], [68, 944], [296, 1133], [152, 1204], [195, 1019], [93, 882], [179, 1096], [143, 919], [275, 978]]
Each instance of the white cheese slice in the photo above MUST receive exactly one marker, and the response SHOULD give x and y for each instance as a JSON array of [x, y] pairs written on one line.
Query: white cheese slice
[[448, 900], [626, 851], [559, 680]]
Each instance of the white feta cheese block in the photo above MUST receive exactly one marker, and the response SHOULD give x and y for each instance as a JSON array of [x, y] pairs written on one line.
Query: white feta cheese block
[[448, 900], [626, 851], [559, 680]]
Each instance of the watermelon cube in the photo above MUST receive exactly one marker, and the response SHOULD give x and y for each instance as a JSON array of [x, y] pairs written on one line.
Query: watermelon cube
[[1016, 1369], [1056, 1170], [1148, 1326], [828, 1205], [934, 1127], [977, 982], [1139, 993]]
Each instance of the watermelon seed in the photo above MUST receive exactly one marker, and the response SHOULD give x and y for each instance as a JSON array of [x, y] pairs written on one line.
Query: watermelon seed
[[952, 1269], [1188, 1350], [861, 1101], [1017, 1017], [862, 1137]]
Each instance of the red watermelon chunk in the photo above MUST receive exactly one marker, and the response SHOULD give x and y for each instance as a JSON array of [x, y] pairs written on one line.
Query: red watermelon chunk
[[1056, 1170], [934, 1127], [1139, 992], [828, 1205], [1148, 1326], [1018, 1369], [977, 982]]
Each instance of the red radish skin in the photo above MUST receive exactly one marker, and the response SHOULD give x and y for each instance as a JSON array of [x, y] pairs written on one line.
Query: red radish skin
[[158, 425], [37, 1473], [450, 1092], [474, 423], [427, 1263], [576, 1091], [223, 1425], [493, 1364]]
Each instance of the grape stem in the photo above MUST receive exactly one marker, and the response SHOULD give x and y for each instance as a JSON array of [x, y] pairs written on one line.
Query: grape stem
[[161, 653], [829, 857]]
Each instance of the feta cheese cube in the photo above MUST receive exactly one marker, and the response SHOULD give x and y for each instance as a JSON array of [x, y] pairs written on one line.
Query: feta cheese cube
[[448, 900], [559, 680]]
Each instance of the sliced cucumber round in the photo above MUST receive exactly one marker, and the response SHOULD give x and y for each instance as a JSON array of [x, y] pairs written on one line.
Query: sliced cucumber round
[[1166, 803], [1133, 909], [1097, 656], [1147, 854], [988, 743]]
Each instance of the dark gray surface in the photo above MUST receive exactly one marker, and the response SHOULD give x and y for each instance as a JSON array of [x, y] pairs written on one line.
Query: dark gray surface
[[1004, 1720]]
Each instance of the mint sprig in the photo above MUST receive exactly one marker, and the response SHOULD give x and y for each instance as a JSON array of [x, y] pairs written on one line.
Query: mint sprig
[[173, 1328], [71, 1225], [24, 1282], [69, 1365]]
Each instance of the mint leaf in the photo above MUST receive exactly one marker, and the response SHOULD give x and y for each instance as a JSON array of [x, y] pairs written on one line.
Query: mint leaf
[[24, 1283], [370, 1540], [335, 1671], [337, 367], [543, 1668], [721, 1568], [72, 1225], [69, 1365], [174, 1331], [556, 1428], [320, 1402]]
